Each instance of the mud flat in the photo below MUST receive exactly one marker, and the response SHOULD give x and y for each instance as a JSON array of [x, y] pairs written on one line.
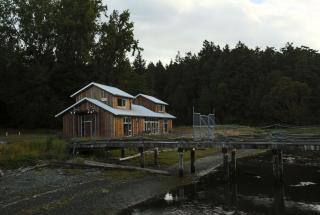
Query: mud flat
[[56, 190]]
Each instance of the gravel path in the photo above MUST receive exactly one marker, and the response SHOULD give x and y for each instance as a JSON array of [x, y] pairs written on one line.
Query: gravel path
[[57, 191]]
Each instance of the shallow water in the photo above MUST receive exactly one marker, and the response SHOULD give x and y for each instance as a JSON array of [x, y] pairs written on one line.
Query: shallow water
[[254, 191]]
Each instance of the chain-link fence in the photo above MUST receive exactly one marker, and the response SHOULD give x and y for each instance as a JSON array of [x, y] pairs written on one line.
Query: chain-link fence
[[203, 126]]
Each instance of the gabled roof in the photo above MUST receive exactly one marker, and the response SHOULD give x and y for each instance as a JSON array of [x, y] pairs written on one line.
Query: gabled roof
[[153, 99], [113, 90], [136, 110]]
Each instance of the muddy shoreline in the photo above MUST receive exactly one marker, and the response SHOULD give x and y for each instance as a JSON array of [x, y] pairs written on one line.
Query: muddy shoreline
[[91, 191]]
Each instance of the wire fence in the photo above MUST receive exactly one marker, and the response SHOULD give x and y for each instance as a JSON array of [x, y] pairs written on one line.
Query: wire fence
[[203, 126]]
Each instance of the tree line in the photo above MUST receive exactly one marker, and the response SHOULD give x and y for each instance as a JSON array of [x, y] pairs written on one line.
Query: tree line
[[51, 48]]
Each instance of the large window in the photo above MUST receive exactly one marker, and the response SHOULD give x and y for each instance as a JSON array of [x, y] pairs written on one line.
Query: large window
[[165, 126], [127, 128], [121, 102], [161, 108], [151, 125]]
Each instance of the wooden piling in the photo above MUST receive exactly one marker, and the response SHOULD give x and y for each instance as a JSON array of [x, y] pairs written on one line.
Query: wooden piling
[[180, 170], [280, 165], [226, 164], [277, 165], [107, 153], [274, 164], [233, 164], [155, 156], [123, 153], [192, 160], [141, 157]]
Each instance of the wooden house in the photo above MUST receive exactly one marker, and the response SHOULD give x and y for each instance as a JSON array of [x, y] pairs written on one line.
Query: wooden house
[[108, 112]]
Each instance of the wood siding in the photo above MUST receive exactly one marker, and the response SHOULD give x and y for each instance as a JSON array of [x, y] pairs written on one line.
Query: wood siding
[[97, 93], [106, 125], [140, 100], [103, 121]]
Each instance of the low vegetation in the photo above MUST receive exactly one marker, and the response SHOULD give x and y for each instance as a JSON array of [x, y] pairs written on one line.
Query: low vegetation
[[170, 157], [30, 149]]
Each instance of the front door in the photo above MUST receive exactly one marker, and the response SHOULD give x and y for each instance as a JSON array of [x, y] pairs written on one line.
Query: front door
[[87, 125]]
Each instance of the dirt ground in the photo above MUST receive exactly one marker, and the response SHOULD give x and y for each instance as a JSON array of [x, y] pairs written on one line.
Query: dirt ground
[[90, 191]]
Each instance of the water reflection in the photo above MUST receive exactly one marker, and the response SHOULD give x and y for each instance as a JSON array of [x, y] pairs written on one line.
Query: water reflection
[[278, 199], [299, 194]]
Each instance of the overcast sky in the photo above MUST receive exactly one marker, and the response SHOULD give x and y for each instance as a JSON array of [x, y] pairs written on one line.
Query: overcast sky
[[165, 27]]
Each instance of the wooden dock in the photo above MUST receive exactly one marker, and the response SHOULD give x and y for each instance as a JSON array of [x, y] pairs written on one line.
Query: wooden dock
[[228, 145], [301, 143]]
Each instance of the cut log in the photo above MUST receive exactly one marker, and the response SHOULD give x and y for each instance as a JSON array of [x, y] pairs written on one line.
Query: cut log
[[95, 164]]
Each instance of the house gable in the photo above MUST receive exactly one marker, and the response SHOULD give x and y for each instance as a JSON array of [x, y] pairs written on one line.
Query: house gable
[[100, 94], [151, 103]]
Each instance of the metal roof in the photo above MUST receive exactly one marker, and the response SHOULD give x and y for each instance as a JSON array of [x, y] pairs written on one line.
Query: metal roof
[[113, 90], [136, 110], [153, 99]]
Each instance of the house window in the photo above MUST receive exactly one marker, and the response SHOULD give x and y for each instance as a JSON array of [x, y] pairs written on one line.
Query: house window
[[161, 108], [165, 126], [121, 102], [151, 125], [127, 129]]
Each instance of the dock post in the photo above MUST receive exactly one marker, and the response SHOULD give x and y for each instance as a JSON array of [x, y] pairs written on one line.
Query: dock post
[[274, 164], [226, 164], [156, 153], [192, 159], [233, 164], [180, 151], [123, 153], [277, 165], [141, 157], [280, 165], [107, 153]]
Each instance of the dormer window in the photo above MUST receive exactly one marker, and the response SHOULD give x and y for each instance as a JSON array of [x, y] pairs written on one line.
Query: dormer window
[[161, 108], [121, 102]]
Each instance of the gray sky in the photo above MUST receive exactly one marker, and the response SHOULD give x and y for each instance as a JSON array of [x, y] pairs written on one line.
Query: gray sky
[[165, 27]]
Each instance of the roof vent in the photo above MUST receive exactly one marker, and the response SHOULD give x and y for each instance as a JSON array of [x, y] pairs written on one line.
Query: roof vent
[[104, 100]]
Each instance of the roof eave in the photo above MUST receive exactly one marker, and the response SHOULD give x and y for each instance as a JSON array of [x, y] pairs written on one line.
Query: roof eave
[[93, 83], [164, 103]]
